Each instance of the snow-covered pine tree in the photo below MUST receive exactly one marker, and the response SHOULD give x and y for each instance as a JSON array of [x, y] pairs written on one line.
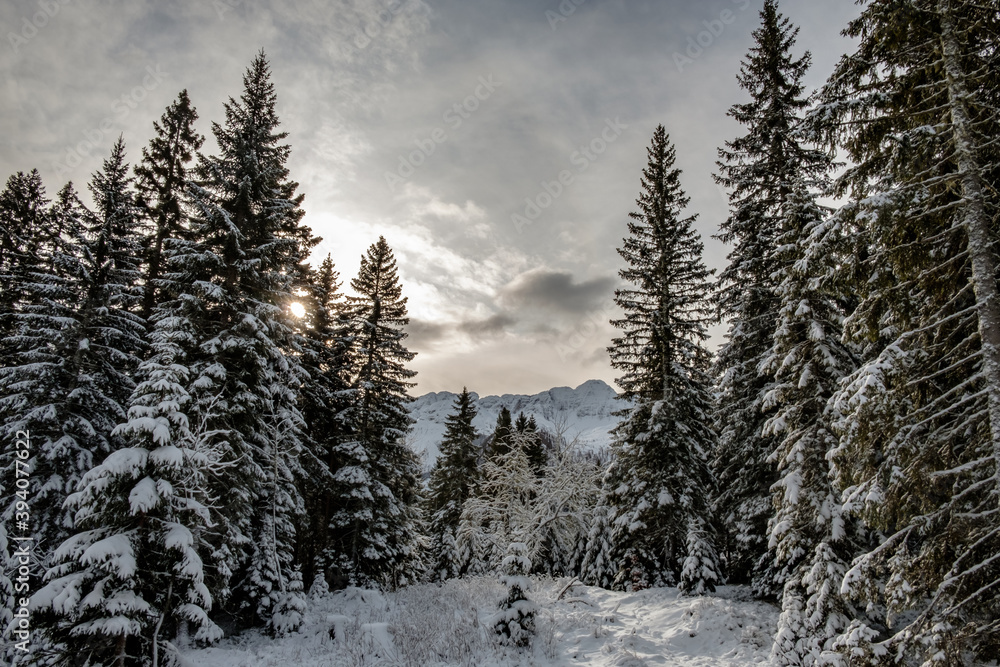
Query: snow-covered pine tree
[[112, 334], [68, 369], [758, 169], [700, 571], [521, 423], [378, 489], [515, 622], [132, 577], [659, 485], [916, 108], [324, 397], [598, 566], [61, 248], [807, 361], [230, 288], [499, 443], [453, 480], [532, 425], [22, 207], [161, 179], [40, 289], [24, 221], [535, 448]]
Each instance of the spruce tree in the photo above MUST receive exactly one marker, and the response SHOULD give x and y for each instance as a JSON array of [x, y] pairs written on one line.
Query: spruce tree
[[521, 423], [25, 219], [112, 333], [807, 361], [598, 566], [377, 485], [500, 440], [161, 179], [65, 231], [659, 484], [515, 622], [41, 287], [758, 168], [453, 480], [534, 447], [132, 577], [229, 290], [75, 345], [324, 399], [915, 108]]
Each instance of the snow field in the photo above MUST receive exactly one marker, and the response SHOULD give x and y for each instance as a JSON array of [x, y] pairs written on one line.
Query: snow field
[[431, 625]]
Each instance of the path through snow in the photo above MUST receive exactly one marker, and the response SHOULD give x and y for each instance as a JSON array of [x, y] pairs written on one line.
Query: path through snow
[[430, 626]]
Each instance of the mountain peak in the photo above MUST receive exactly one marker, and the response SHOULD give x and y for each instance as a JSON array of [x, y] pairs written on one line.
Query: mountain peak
[[583, 413]]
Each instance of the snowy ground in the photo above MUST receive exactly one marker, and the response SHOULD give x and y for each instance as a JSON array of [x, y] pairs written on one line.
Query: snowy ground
[[429, 625]]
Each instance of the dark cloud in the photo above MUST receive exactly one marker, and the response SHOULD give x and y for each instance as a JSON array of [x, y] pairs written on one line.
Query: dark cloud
[[545, 289], [423, 335], [491, 326]]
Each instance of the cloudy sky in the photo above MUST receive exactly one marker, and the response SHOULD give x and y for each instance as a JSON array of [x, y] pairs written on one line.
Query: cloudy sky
[[497, 145]]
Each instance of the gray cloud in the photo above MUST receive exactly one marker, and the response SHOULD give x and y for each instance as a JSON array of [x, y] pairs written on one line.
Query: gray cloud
[[546, 289], [491, 326], [361, 83], [424, 335]]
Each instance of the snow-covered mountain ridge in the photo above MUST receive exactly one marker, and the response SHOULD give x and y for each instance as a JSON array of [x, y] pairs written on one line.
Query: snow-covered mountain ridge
[[584, 413]]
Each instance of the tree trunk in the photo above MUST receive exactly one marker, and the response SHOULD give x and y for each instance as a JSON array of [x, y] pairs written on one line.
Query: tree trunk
[[159, 624], [120, 651], [976, 223]]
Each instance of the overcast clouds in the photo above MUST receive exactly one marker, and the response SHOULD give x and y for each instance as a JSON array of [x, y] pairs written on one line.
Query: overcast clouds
[[432, 122]]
